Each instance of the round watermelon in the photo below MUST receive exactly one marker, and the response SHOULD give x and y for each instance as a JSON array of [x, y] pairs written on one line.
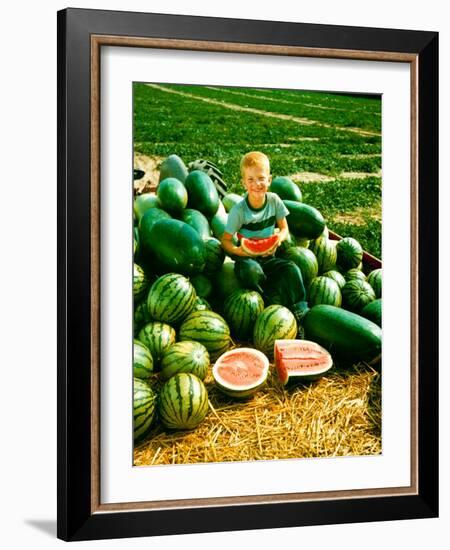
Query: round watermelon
[[144, 202], [173, 167], [142, 361], [307, 262], [185, 356], [171, 298], [324, 290], [172, 195], [144, 405], [183, 402], [275, 322], [325, 252], [158, 337], [214, 255], [208, 328], [140, 283], [336, 276], [349, 253], [356, 294], [241, 309], [354, 273], [375, 281]]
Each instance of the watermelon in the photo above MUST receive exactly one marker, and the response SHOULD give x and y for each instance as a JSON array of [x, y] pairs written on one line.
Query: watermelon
[[137, 247], [230, 200], [304, 243], [346, 335], [285, 245], [304, 220], [354, 273], [226, 280], [144, 202], [307, 262], [183, 402], [146, 223], [171, 298], [324, 290], [336, 276], [140, 283], [177, 247], [356, 294], [299, 310], [250, 273], [214, 255], [349, 253], [172, 195], [325, 252], [173, 167], [202, 193], [208, 328], [275, 322], [286, 189], [185, 357], [259, 247], [300, 360], [144, 405], [200, 304], [142, 361], [375, 281], [198, 221], [241, 372], [241, 309], [373, 311], [157, 337], [141, 315], [202, 285]]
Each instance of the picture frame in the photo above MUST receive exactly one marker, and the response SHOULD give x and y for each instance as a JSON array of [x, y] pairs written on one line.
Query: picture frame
[[81, 36]]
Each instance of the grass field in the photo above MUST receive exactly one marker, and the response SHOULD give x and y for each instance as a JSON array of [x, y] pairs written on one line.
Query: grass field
[[329, 144]]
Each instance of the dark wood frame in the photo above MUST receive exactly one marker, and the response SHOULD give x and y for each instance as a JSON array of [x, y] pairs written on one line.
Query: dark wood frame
[[81, 34]]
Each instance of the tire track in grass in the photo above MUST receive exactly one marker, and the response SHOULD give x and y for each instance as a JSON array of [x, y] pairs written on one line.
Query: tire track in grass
[[233, 106]]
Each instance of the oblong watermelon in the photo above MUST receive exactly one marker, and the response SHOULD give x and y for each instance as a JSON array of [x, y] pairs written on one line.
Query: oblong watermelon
[[203, 286], [304, 220], [286, 189], [172, 195], [144, 202], [202, 193], [306, 260], [373, 311], [173, 167], [230, 200], [325, 252], [198, 221]]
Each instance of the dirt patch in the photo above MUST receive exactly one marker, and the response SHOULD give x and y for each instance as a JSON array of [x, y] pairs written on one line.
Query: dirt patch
[[359, 215], [359, 175], [310, 177], [149, 165]]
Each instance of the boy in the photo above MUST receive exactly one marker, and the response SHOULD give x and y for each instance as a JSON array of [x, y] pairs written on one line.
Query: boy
[[255, 217]]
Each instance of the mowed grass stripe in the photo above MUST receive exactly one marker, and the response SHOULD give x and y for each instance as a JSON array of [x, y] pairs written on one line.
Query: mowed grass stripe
[[281, 116]]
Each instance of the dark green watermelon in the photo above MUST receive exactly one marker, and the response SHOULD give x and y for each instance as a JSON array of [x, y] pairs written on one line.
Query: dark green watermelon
[[198, 221], [286, 189], [172, 195], [304, 221], [202, 193], [173, 167]]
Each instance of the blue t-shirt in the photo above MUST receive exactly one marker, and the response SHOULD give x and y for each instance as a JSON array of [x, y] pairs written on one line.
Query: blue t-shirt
[[256, 222]]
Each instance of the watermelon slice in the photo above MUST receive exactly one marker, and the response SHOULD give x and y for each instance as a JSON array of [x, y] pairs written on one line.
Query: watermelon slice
[[259, 247], [240, 372], [301, 360]]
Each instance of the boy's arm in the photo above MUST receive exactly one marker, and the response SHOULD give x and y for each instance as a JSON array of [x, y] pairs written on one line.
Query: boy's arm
[[284, 230], [230, 247]]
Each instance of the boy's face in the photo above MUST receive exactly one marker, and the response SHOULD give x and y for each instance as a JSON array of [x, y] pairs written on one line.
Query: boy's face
[[256, 180]]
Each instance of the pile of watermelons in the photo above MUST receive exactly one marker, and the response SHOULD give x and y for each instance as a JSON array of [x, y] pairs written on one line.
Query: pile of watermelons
[[190, 307]]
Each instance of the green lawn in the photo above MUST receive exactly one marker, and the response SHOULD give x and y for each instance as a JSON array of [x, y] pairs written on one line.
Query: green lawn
[[340, 138]]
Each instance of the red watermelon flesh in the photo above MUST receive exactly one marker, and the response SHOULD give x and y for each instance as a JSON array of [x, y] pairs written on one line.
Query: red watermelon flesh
[[300, 359], [241, 371], [259, 247]]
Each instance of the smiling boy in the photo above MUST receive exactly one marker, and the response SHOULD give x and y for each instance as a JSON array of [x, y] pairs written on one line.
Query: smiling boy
[[256, 216]]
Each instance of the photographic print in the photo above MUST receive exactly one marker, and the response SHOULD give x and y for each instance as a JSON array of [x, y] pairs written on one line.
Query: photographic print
[[257, 278]]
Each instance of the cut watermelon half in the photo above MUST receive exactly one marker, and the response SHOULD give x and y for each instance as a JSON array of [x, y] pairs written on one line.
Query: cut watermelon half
[[258, 247], [301, 360], [240, 372]]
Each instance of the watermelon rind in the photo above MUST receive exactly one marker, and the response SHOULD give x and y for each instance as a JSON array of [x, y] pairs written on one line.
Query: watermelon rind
[[241, 391], [183, 402], [307, 372]]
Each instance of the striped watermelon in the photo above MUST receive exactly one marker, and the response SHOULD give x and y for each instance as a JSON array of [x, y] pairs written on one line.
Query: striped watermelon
[[142, 361], [356, 294], [306, 260], [185, 357], [208, 328], [241, 309], [183, 402], [354, 273], [325, 251], [141, 316], [157, 337], [140, 283], [200, 304], [214, 255], [349, 253], [324, 290], [171, 298], [336, 276], [375, 281], [144, 405], [274, 323]]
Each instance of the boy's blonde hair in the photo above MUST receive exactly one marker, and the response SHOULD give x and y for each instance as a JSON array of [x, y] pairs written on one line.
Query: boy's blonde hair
[[255, 158]]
